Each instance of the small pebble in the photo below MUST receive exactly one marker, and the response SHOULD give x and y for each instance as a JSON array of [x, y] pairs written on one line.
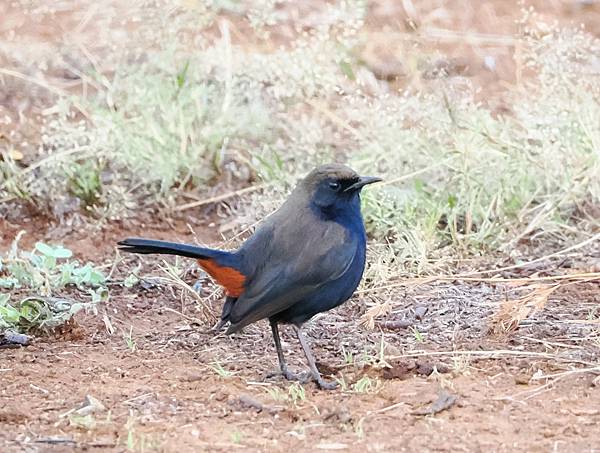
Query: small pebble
[[420, 312], [522, 379]]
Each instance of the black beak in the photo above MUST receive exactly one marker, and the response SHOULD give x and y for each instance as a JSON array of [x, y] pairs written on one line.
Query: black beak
[[362, 181]]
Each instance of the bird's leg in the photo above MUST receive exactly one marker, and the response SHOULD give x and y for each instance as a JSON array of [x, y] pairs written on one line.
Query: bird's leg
[[311, 362], [282, 364], [218, 327]]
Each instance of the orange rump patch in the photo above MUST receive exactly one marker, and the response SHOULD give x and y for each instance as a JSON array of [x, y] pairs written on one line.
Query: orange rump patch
[[228, 277]]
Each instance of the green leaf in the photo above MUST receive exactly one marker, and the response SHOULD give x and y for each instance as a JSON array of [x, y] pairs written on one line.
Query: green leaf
[[131, 280], [9, 315], [33, 309], [54, 252], [9, 282], [181, 75], [44, 249], [88, 275], [346, 68], [82, 421], [452, 201], [38, 272], [419, 185], [66, 273], [99, 295]]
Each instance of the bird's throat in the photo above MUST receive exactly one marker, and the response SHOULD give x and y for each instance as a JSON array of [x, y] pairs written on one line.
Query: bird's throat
[[345, 212]]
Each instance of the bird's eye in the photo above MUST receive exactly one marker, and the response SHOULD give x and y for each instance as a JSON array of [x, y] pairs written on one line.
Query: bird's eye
[[334, 185]]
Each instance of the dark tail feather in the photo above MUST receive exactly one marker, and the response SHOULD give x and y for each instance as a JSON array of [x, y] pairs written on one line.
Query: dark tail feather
[[147, 246]]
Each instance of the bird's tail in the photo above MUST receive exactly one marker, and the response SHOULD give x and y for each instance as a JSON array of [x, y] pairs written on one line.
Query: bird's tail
[[148, 246], [224, 267]]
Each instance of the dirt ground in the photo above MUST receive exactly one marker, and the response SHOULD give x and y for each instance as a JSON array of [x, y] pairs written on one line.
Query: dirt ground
[[182, 389], [435, 378]]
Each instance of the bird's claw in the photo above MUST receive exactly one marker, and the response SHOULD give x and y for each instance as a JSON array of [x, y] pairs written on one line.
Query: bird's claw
[[302, 378], [326, 385]]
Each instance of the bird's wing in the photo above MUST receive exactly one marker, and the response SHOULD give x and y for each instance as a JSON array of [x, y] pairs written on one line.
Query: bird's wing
[[297, 264]]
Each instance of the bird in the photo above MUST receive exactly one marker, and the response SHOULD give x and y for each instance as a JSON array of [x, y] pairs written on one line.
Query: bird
[[306, 258]]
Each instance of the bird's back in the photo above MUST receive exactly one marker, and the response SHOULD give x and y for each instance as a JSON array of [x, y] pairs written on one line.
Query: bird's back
[[294, 256]]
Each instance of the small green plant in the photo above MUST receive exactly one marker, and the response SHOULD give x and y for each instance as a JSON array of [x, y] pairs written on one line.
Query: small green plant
[[374, 359], [236, 437], [129, 341], [38, 313], [348, 356], [42, 273], [85, 182], [277, 394], [222, 372], [342, 383], [359, 428], [46, 268], [11, 180], [365, 385], [181, 76], [382, 362], [131, 280], [419, 337], [9, 315], [297, 393], [86, 422], [131, 438]]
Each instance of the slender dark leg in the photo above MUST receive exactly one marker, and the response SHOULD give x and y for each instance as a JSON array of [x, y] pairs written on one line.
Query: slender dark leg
[[282, 364], [216, 329], [311, 362]]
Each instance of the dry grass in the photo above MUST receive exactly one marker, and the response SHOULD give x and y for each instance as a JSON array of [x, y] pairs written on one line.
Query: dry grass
[[197, 112], [512, 312]]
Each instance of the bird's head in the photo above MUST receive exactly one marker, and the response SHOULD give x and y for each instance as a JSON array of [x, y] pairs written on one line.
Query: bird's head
[[334, 185]]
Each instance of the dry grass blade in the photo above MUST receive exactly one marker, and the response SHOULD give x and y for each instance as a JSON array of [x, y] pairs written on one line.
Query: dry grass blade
[[477, 276], [226, 196], [512, 312], [51, 157], [473, 38], [368, 319], [572, 278], [174, 279], [42, 83], [491, 354]]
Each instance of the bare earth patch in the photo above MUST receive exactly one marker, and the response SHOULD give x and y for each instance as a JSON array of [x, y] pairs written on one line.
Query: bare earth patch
[[163, 384]]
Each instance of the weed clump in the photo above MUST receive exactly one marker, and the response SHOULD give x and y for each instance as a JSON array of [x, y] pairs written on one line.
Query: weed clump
[[39, 276]]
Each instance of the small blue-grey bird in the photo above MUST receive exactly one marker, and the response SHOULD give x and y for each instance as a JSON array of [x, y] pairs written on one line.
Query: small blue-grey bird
[[306, 258]]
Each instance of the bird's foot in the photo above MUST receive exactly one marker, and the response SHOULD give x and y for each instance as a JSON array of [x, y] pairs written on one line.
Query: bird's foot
[[218, 327], [302, 378], [326, 385]]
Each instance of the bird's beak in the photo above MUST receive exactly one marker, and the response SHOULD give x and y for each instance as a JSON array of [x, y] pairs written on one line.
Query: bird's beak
[[362, 181]]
